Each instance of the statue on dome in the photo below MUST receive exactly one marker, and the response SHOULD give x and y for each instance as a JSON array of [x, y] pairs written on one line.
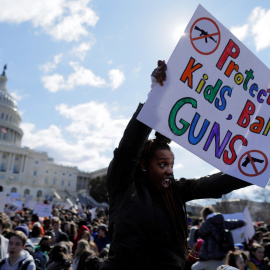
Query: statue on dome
[[4, 70]]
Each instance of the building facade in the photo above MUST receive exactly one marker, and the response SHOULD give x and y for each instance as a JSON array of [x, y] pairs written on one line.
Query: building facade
[[27, 171]]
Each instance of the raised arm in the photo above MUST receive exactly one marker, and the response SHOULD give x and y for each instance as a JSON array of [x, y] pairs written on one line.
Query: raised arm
[[211, 186]]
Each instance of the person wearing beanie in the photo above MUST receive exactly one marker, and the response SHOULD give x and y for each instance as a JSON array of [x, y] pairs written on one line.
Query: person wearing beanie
[[23, 228]]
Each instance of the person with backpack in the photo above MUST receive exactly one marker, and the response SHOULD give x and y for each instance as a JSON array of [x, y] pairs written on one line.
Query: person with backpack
[[17, 258], [217, 239]]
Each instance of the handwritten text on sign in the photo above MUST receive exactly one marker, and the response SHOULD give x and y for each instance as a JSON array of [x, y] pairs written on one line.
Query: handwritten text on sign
[[215, 102]]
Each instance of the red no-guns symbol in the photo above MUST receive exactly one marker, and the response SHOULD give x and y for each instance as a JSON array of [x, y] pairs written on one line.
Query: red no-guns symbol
[[205, 36], [253, 163]]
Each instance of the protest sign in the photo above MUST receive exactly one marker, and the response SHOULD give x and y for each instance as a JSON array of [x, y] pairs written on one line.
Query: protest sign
[[14, 195], [3, 196], [243, 233], [42, 210], [216, 100], [11, 209]]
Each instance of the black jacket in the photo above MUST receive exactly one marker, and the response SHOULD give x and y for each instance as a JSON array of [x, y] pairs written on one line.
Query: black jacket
[[139, 226], [210, 233]]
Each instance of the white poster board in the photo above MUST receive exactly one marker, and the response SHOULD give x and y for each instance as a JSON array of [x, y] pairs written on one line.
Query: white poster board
[[216, 101], [42, 210], [244, 233], [3, 196], [11, 209]]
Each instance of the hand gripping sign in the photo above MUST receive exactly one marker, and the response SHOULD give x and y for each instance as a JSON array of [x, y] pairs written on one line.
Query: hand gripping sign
[[216, 101]]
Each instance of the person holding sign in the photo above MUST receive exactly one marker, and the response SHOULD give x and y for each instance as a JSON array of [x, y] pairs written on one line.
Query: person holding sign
[[147, 218]]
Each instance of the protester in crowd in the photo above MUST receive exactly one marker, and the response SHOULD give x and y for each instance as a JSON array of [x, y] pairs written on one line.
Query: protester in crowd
[[72, 231], [82, 246], [92, 262], [87, 236], [35, 235], [78, 237], [47, 225], [51, 235], [148, 225], [235, 259], [59, 258], [211, 231], [102, 238], [191, 240], [5, 226], [17, 219], [256, 257], [83, 265], [266, 259], [59, 235], [17, 257], [3, 246], [41, 252]]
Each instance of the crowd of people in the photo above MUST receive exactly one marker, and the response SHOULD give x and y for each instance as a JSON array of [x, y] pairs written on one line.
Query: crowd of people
[[206, 249], [71, 241], [66, 240]]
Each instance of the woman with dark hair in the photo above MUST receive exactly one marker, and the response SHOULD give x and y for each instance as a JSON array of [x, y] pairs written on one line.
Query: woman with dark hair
[[59, 258], [148, 224]]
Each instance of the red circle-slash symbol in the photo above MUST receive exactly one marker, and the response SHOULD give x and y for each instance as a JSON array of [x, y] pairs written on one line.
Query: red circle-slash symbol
[[253, 163], [205, 36]]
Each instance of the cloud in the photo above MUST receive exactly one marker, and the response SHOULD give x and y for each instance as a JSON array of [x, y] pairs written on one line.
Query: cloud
[[93, 132], [82, 49], [116, 77], [16, 95], [62, 19], [49, 66], [82, 77], [241, 32], [256, 28]]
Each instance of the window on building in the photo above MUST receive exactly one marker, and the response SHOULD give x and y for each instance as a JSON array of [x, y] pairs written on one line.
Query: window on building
[[15, 169], [2, 115], [69, 183], [39, 193], [46, 181], [26, 192], [54, 181], [62, 182], [4, 156], [3, 167], [35, 172], [13, 189], [36, 161], [17, 158]]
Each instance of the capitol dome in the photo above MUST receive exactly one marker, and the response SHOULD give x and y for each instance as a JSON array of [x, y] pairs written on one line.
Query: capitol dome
[[10, 119]]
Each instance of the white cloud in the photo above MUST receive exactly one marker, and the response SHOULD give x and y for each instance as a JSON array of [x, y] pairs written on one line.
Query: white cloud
[[94, 130], [16, 95], [49, 66], [259, 23], [82, 77], [62, 19], [241, 32], [256, 27], [116, 77], [82, 49]]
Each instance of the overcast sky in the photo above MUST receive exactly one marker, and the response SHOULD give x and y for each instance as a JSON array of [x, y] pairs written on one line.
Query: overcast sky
[[79, 68]]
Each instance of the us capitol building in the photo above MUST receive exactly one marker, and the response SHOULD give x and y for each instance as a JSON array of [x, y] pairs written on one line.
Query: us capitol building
[[33, 173]]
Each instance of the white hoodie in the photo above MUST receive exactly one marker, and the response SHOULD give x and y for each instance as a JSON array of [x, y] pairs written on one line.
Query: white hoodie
[[25, 257]]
